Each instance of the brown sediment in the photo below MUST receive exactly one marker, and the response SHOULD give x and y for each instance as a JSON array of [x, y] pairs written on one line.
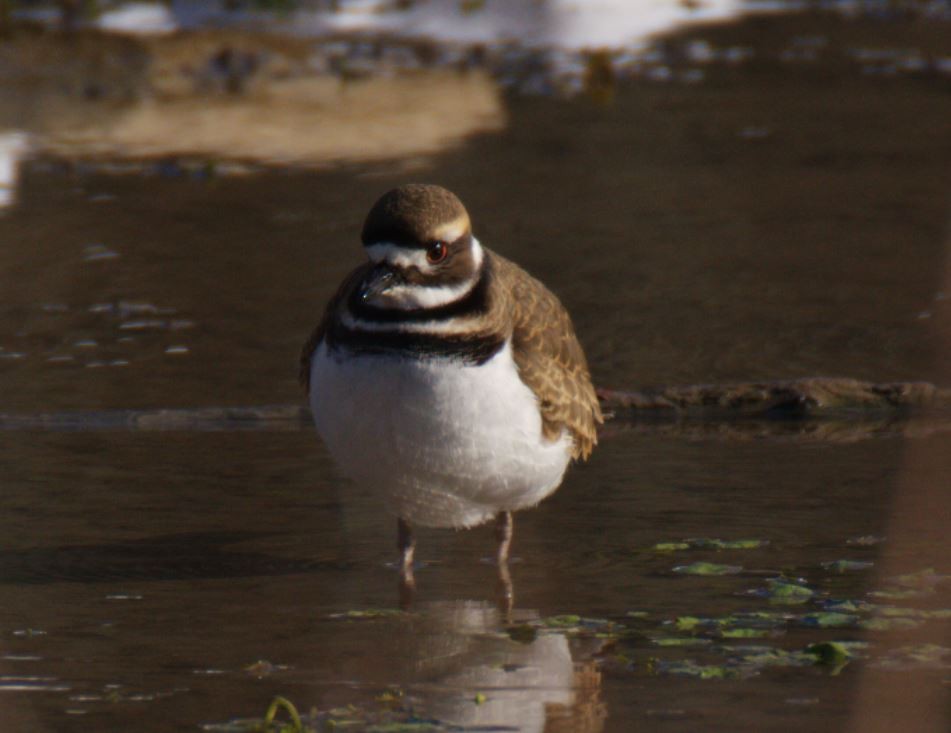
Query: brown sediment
[[229, 96], [264, 418], [855, 428], [811, 397], [307, 123], [810, 410]]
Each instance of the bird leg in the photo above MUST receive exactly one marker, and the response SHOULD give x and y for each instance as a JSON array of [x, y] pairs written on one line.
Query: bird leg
[[503, 534], [406, 544]]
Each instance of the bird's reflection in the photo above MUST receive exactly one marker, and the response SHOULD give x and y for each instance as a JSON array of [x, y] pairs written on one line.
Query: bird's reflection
[[13, 146], [504, 588], [468, 667]]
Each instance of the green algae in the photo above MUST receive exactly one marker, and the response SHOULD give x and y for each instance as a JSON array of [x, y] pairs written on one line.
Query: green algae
[[689, 668], [707, 543], [680, 641], [831, 653], [574, 625], [283, 704], [670, 546], [785, 591], [707, 568], [563, 621], [750, 661], [744, 633]]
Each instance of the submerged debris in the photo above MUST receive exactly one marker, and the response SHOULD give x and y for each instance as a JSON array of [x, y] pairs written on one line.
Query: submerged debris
[[367, 614], [97, 252], [390, 717], [845, 566], [918, 656]]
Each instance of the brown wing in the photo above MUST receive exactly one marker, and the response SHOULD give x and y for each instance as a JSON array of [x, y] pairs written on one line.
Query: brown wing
[[330, 312], [550, 360]]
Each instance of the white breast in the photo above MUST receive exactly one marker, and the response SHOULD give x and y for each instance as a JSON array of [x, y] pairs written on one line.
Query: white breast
[[445, 443]]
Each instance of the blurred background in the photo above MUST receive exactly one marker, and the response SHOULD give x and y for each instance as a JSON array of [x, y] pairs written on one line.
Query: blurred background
[[720, 191]]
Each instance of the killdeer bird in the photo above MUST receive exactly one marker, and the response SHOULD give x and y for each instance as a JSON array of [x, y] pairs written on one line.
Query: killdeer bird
[[444, 376]]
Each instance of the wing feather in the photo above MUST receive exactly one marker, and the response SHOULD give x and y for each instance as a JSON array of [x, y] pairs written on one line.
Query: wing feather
[[551, 361]]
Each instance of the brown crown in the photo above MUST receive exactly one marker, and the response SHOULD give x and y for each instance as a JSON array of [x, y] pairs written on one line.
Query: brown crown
[[414, 215]]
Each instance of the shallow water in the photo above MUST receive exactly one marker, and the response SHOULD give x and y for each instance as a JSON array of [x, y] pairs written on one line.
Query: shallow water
[[139, 590], [769, 223]]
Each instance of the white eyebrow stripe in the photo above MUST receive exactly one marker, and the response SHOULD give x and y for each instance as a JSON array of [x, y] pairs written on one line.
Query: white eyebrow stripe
[[454, 229]]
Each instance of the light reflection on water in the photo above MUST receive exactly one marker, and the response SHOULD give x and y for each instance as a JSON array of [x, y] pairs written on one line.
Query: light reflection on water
[[13, 147]]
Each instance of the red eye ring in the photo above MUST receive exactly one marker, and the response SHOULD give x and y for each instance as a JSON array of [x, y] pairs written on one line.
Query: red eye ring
[[436, 252]]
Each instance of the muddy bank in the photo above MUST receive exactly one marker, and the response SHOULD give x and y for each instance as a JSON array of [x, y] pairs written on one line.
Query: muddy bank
[[811, 410], [279, 99], [231, 96], [795, 398]]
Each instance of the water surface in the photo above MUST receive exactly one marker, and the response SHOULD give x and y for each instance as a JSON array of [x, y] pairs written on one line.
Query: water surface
[[772, 222]]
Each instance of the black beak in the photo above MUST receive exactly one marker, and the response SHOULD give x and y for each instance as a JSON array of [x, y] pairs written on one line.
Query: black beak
[[380, 279]]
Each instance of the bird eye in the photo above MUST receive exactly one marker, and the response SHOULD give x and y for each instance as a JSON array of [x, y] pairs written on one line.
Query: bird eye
[[436, 252]]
